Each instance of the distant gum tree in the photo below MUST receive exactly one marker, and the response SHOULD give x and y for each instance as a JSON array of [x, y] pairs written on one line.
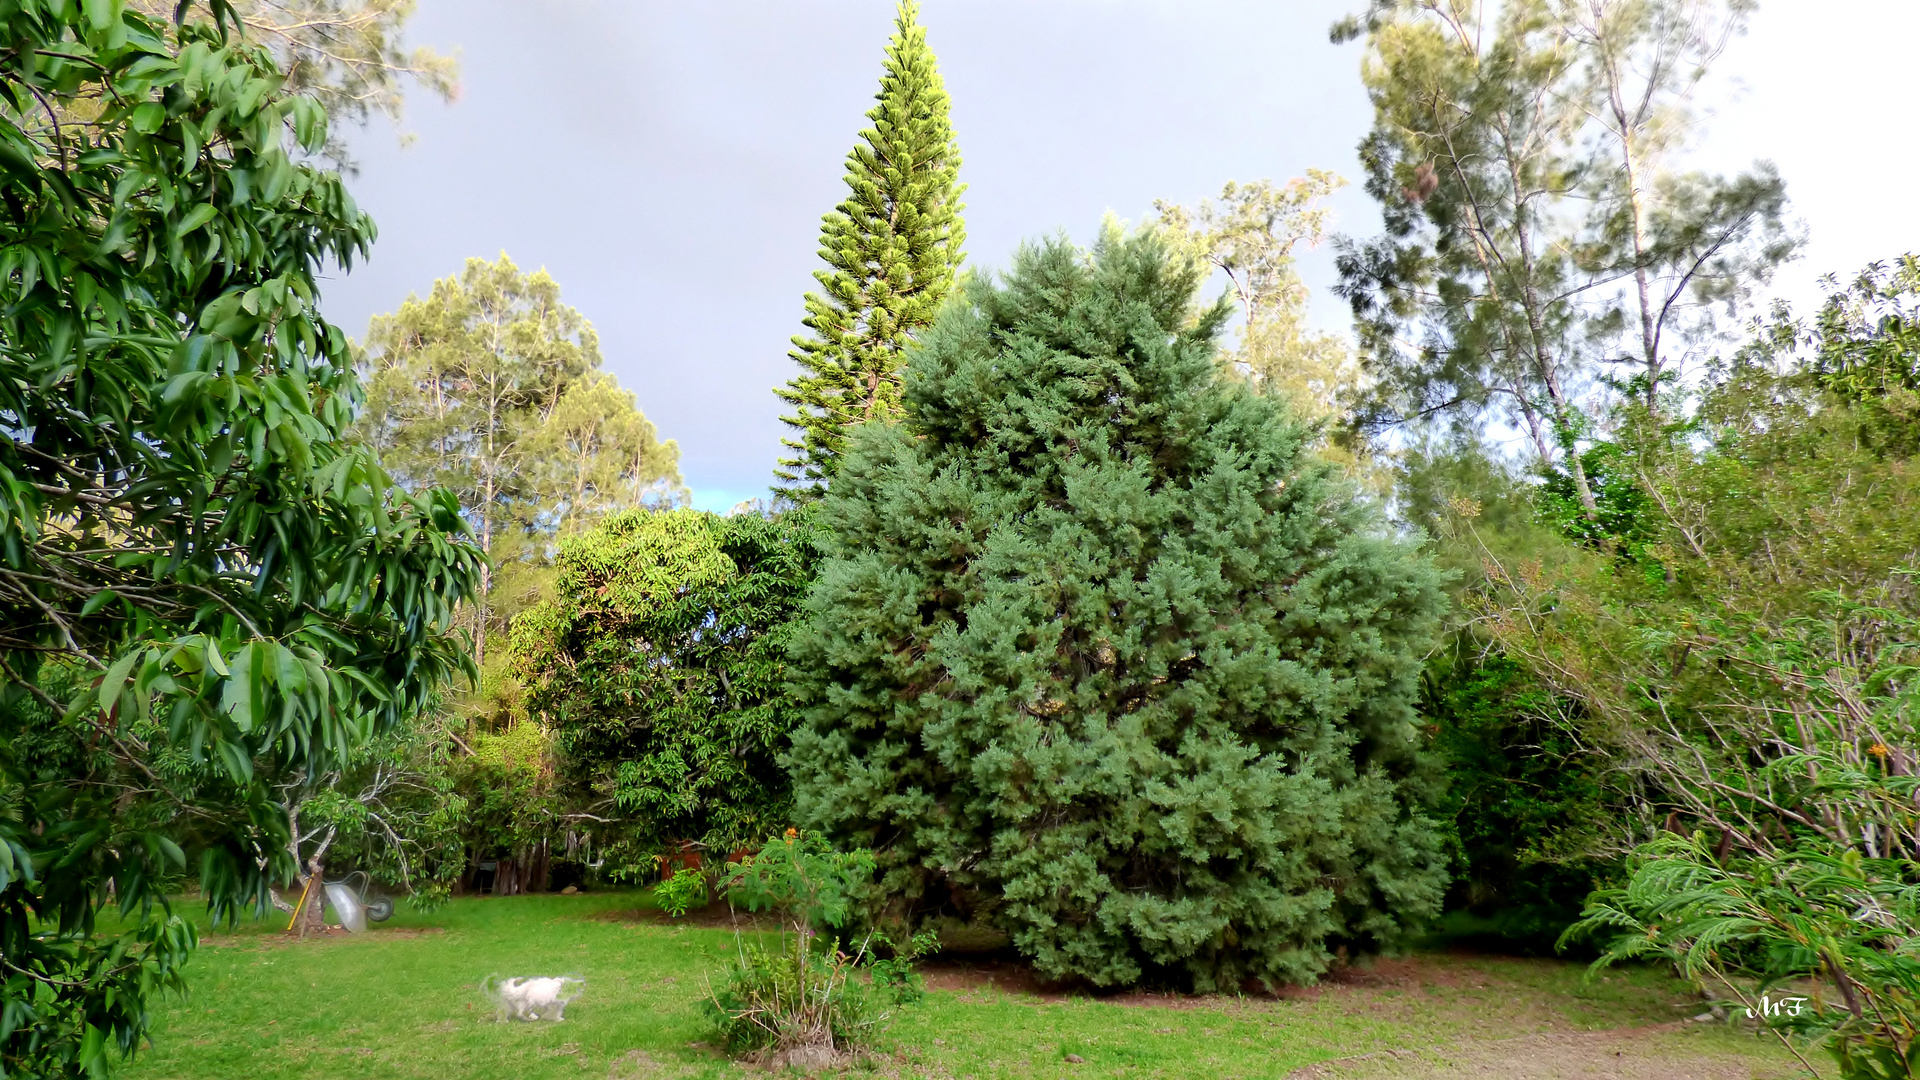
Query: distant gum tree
[[1543, 252], [490, 388], [1250, 234]]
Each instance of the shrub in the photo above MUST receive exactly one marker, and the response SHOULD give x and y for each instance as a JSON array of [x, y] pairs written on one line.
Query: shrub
[[681, 893], [1524, 805], [659, 666], [1813, 916], [808, 991], [1102, 651], [789, 997]]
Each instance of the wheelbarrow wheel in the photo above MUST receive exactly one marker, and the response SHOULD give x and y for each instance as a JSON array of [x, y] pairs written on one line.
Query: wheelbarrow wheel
[[380, 909]]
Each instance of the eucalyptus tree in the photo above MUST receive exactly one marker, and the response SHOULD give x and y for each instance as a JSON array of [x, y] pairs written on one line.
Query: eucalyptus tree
[[892, 250], [1250, 235], [1539, 236], [462, 386], [206, 585], [597, 453]]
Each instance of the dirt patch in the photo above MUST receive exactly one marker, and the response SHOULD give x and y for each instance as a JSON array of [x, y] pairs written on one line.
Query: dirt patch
[[713, 916], [970, 974], [1006, 972], [1657, 1052]]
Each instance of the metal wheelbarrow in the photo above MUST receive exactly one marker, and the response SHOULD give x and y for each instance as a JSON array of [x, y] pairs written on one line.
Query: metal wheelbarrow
[[352, 905]]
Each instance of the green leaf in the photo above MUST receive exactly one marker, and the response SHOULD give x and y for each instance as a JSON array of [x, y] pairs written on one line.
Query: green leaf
[[195, 218], [97, 601], [148, 118], [115, 679]]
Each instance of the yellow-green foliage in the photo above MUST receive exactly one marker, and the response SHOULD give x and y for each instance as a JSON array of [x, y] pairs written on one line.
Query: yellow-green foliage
[[524, 747]]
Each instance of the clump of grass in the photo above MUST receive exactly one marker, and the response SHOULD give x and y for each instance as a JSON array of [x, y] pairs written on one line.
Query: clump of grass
[[788, 998]]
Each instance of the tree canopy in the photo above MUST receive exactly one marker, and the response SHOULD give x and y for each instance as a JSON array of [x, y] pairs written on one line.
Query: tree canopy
[[892, 249], [208, 586], [490, 388], [1540, 244], [1100, 653], [660, 666]]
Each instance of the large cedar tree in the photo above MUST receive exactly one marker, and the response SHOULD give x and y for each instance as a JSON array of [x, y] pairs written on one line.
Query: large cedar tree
[[1103, 653]]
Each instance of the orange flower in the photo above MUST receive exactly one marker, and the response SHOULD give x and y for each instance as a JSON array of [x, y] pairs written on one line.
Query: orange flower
[[1878, 749], [792, 835]]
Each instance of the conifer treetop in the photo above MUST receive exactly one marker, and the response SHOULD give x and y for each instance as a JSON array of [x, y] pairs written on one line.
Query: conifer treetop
[[892, 250]]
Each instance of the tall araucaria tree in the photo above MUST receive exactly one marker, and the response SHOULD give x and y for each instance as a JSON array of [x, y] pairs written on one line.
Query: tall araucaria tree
[[1101, 653], [206, 586], [892, 249]]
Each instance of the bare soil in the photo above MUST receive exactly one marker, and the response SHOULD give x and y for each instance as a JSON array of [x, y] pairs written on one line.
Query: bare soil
[[1657, 1052]]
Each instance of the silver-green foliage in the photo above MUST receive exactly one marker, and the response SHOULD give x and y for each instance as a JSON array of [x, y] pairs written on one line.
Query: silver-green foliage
[[1101, 652]]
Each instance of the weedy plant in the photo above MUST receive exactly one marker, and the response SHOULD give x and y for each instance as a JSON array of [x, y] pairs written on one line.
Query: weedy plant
[[809, 991], [681, 893]]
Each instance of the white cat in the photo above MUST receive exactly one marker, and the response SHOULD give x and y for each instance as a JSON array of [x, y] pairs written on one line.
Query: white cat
[[533, 998]]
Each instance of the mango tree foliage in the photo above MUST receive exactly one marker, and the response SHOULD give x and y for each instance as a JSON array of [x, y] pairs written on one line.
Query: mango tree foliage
[[1101, 654], [344, 53], [659, 665], [206, 586]]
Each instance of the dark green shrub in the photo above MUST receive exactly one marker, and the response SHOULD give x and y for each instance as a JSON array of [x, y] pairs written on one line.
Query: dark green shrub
[[1103, 653], [1523, 804], [659, 666]]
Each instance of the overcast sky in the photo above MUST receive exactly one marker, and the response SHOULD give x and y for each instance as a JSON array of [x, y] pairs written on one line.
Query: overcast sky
[[668, 163]]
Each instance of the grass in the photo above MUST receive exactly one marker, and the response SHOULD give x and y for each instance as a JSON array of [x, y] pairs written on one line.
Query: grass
[[402, 1002]]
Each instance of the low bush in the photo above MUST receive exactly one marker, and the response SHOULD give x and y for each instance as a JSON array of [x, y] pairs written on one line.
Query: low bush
[[1843, 928], [809, 991], [681, 893]]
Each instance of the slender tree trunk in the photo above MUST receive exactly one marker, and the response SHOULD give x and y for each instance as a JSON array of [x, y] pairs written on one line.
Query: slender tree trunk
[[1625, 126], [1542, 353]]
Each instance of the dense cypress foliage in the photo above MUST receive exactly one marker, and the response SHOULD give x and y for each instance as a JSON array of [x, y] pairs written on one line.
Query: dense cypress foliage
[[1102, 653], [891, 249], [660, 667]]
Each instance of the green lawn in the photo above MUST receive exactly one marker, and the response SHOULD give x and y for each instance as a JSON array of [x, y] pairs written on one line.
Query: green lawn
[[402, 1002]]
